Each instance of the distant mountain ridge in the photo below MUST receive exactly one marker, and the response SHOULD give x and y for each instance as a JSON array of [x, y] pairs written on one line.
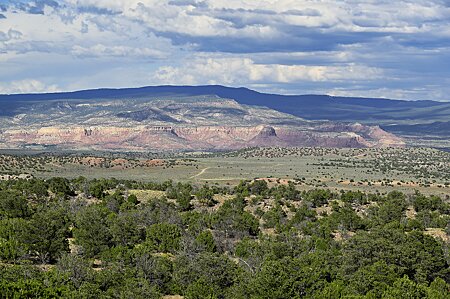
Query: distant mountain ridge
[[314, 107], [410, 119]]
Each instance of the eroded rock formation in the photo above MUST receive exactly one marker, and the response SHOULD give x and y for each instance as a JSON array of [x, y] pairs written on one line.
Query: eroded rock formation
[[198, 138], [181, 124]]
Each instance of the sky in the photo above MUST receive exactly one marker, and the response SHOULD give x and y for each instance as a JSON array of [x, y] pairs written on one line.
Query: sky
[[370, 48]]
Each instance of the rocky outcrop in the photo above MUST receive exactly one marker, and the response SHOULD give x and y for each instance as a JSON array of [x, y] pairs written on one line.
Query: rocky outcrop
[[267, 132], [385, 139], [199, 138], [204, 123]]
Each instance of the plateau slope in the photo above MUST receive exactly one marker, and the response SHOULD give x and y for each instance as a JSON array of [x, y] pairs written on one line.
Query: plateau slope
[[165, 122]]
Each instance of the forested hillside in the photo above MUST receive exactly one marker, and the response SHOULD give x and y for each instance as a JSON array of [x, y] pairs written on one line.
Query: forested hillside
[[126, 239]]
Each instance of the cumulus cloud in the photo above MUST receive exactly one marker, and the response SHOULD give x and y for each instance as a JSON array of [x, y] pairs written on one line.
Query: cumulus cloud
[[26, 86], [418, 93], [237, 71]]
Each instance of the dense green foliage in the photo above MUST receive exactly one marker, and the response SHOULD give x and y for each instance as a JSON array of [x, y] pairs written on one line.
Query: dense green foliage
[[94, 239]]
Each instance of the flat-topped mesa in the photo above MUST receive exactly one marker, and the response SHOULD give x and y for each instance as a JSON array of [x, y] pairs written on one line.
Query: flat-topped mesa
[[194, 123], [199, 137]]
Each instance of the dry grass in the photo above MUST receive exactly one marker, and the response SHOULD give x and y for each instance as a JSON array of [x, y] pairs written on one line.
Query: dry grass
[[410, 213], [438, 233], [320, 210], [339, 237], [145, 196]]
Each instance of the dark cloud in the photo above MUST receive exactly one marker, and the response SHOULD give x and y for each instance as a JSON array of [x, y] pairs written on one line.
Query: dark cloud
[[2, 16], [292, 39], [422, 41], [289, 38], [368, 23], [31, 7]]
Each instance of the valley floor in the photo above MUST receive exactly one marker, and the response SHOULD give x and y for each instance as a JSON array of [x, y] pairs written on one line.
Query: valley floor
[[372, 170]]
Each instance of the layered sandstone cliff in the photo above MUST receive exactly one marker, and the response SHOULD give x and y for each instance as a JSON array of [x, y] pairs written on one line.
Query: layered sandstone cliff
[[176, 124], [195, 138]]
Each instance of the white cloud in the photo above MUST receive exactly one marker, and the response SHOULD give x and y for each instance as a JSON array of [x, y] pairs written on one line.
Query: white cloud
[[244, 70], [425, 93], [26, 86]]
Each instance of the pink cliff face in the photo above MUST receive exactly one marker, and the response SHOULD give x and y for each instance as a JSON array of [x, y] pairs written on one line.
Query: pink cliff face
[[201, 137]]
